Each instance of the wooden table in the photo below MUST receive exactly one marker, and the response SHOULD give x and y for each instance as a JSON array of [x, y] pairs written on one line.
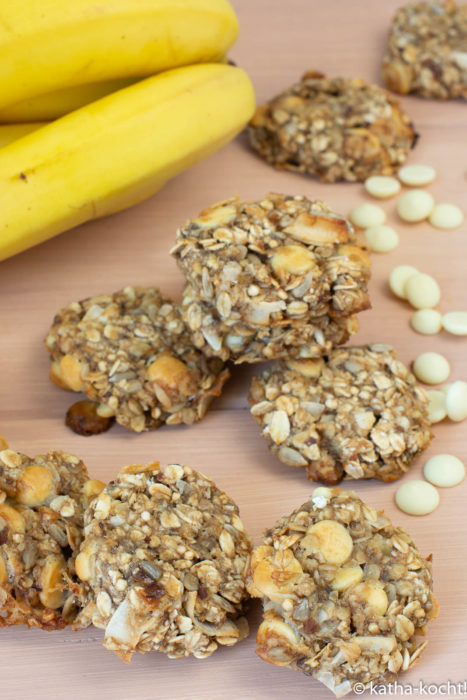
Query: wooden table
[[278, 41]]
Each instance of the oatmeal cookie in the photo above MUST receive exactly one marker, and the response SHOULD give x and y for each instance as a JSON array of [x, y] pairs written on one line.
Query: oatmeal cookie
[[345, 593], [163, 562], [334, 128], [356, 414], [42, 501], [427, 50], [270, 279], [132, 353]]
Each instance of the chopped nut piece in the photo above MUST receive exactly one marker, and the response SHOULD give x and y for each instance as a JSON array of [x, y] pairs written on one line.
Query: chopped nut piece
[[348, 624], [82, 417], [144, 369], [426, 50], [334, 128], [164, 573], [288, 283], [357, 415]]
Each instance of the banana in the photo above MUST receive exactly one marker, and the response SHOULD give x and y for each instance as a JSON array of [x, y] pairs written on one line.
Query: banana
[[46, 45], [13, 132], [117, 151], [52, 105]]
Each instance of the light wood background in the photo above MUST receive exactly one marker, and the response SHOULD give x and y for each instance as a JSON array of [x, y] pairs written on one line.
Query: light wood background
[[278, 42]]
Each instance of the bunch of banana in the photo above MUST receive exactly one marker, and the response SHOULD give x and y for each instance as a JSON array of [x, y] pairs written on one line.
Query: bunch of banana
[[123, 146]]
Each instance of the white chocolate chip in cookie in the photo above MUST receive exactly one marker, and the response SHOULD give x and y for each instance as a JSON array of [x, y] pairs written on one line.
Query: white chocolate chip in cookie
[[373, 595], [34, 486], [330, 539], [293, 260], [51, 578], [346, 577]]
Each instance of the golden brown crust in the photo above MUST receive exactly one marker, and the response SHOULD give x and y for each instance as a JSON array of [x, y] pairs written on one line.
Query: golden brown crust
[[346, 594], [272, 278], [426, 52], [334, 128], [131, 353], [357, 414]]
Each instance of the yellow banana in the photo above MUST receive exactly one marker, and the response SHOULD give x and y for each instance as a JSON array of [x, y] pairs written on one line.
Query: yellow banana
[[13, 132], [52, 105], [46, 45], [116, 151]]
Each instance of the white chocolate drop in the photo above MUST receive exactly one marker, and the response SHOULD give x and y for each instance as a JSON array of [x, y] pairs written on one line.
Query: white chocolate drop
[[446, 216], [415, 205], [431, 368], [444, 470], [382, 186], [416, 175], [426, 321], [399, 277], [422, 291], [366, 215], [455, 322], [456, 401], [436, 405], [381, 239], [417, 497]]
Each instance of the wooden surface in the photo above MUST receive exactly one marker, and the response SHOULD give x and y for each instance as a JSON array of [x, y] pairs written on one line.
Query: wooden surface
[[278, 41]]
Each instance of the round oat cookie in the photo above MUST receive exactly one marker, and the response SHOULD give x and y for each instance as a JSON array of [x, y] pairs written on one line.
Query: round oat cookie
[[426, 52], [356, 414], [131, 352], [163, 560], [270, 279], [334, 128], [345, 593], [42, 501]]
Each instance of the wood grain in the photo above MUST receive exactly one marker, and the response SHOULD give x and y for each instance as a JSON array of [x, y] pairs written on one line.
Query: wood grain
[[279, 40]]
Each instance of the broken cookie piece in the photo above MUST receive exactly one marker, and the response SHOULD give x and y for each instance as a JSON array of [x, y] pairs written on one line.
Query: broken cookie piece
[[427, 50], [334, 128], [357, 414], [131, 353], [42, 503], [270, 279], [162, 564], [345, 593]]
